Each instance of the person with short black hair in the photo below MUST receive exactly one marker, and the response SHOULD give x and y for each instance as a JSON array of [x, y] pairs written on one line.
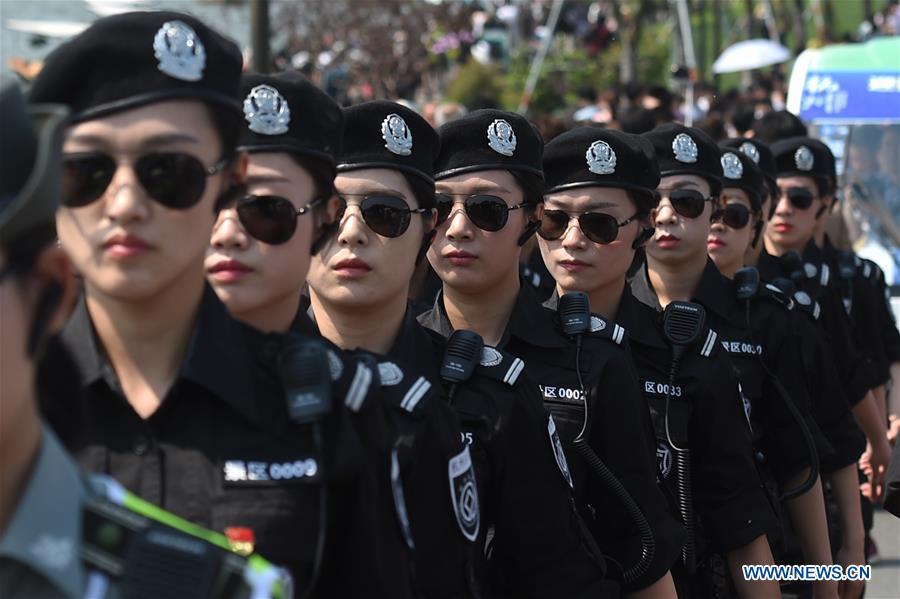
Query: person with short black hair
[[776, 125], [188, 408], [678, 269], [489, 160], [63, 534]]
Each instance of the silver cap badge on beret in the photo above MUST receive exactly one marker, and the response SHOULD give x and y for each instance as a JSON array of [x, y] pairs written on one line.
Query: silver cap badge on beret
[[266, 110], [501, 137], [731, 166], [803, 158], [397, 136], [751, 151], [179, 51], [684, 148], [601, 159]]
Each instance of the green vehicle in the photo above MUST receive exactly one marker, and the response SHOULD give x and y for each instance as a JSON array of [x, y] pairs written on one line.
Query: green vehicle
[[850, 94]]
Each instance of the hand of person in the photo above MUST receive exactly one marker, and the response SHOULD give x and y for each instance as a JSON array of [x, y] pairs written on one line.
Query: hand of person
[[846, 556], [874, 463], [893, 428]]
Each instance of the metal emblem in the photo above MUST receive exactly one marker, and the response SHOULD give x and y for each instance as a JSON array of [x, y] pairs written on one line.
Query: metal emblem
[[179, 51], [731, 166], [267, 111], [389, 373], [501, 137], [663, 460], [684, 148], [558, 452], [751, 151], [601, 159], [490, 356], [810, 270], [804, 159], [335, 366], [597, 324], [397, 136], [464, 494]]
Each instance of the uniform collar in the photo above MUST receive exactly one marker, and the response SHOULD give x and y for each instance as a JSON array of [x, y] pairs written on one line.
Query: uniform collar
[[529, 321], [641, 322], [417, 347], [413, 344], [218, 357], [713, 290], [812, 253], [45, 531]]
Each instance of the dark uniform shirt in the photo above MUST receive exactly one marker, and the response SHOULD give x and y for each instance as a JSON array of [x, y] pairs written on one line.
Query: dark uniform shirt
[[540, 546], [760, 343], [621, 433], [706, 414], [426, 438], [816, 281], [842, 441], [221, 451], [860, 284]]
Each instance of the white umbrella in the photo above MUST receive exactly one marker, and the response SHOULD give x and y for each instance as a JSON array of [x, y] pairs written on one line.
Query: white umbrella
[[749, 55]]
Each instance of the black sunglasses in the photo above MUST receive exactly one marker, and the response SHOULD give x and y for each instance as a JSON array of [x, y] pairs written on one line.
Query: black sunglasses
[[800, 197], [387, 215], [174, 179], [270, 219], [688, 203], [487, 212], [596, 226], [736, 216]]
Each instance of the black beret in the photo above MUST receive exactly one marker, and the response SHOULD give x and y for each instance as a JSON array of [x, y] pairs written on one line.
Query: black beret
[[684, 150], [594, 157], [131, 59], [489, 140], [806, 157], [287, 113], [384, 134], [739, 170], [760, 153]]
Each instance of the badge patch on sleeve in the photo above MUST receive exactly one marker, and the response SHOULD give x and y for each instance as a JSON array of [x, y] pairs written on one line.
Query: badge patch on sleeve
[[464, 494], [558, 452], [663, 461]]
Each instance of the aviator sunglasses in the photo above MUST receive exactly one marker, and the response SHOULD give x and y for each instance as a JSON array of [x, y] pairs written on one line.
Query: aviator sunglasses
[[736, 216], [688, 203], [387, 215], [597, 226], [174, 179], [799, 197], [487, 212], [269, 218]]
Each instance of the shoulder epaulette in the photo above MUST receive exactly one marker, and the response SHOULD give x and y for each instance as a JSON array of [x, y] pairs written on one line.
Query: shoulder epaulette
[[605, 329], [500, 365], [709, 345], [403, 390]]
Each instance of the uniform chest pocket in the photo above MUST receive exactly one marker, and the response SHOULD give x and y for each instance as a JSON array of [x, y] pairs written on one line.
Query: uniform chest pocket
[[278, 501]]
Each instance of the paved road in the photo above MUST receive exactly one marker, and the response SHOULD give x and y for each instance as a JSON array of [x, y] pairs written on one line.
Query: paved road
[[885, 582]]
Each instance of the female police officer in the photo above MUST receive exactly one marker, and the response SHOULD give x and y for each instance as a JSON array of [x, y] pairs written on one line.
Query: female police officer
[[359, 287], [604, 176], [182, 405], [258, 260], [676, 266], [779, 427], [489, 185], [58, 531], [599, 192]]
